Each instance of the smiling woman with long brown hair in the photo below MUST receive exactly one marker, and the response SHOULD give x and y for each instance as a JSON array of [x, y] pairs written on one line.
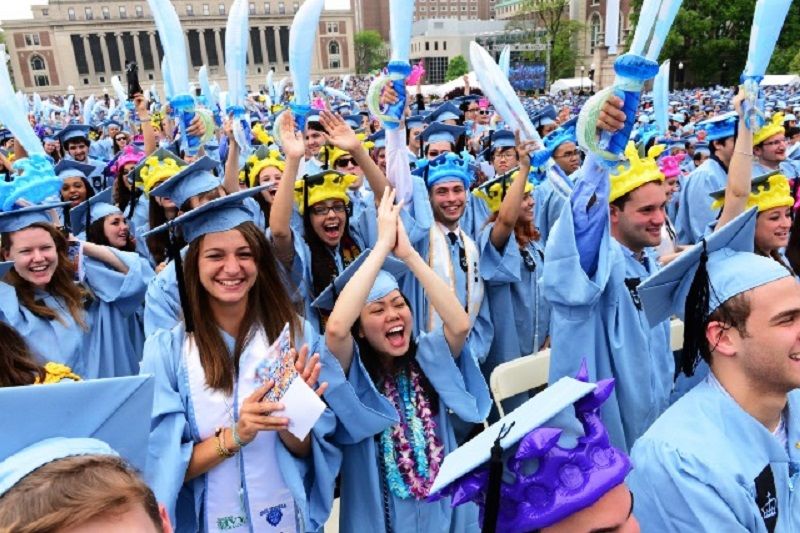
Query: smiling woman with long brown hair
[[222, 454], [76, 324]]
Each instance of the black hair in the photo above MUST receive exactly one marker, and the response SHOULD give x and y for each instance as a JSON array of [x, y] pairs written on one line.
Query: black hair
[[403, 364]]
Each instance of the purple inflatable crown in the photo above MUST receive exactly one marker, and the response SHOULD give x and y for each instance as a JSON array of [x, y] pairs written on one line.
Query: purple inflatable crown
[[544, 482]]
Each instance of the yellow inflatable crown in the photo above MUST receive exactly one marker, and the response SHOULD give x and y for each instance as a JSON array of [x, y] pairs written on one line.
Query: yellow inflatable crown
[[493, 191], [156, 170], [256, 165], [775, 125], [767, 191], [261, 135], [638, 171], [328, 185]]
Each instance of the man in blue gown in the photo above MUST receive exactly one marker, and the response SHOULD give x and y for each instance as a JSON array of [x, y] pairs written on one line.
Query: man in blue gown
[[726, 455]]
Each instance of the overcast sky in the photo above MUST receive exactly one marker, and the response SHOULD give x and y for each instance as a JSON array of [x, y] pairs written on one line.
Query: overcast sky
[[21, 9]]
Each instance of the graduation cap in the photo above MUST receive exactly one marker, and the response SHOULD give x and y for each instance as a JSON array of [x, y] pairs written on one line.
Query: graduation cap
[[87, 213], [537, 444], [544, 116], [51, 422], [5, 134], [192, 180], [701, 147], [218, 215], [378, 139], [111, 122], [354, 121], [447, 167], [69, 168], [446, 111], [494, 191], [704, 277], [766, 192], [385, 282], [719, 127], [502, 139], [22, 218], [441, 132], [74, 132], [415, 121]]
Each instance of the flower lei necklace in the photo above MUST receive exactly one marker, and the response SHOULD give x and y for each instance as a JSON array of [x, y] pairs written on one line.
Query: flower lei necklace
[[410, 467]]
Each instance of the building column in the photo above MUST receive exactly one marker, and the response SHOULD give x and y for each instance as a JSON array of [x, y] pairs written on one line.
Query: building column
[[87, 53], [203, 51], [250, 56], [220, 50], [104, 50], [264, 54], [121, 50], [137, 50], [279, 50], [188, 55], [154, 50]]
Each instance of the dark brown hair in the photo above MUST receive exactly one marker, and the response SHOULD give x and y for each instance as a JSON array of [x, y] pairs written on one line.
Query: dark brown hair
[[733, 313], [17, 365], [96, 233], [158, 243], [61, 285], [524, 232], [70, 492], [268, 306]]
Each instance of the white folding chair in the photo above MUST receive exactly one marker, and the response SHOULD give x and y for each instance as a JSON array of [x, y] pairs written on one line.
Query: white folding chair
[[332, 525], [520, 375], [676, 334]]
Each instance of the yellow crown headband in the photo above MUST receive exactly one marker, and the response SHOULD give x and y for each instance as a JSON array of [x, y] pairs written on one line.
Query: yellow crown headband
[[328, 186], [256, 165], [156, 170], [261, 135], [493, 193], [766, 193], [774, 126], [638, 171]]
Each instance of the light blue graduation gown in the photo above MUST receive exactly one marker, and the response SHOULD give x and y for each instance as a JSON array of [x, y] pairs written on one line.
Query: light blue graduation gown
[[462, 389], [106, 348], [550, 197], [787, 168], [174, 433], [694, 203], [475, 215], [102, 149], [519, 312], [594, 317], [695, 468]]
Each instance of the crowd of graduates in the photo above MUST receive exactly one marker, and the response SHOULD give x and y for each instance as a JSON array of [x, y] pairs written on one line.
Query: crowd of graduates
[[146, 279]]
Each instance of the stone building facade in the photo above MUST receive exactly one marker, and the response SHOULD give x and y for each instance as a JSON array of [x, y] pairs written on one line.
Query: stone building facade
[[83, 43]]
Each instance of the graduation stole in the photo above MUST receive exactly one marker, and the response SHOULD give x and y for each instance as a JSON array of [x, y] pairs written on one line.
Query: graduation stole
[[260, 502], [440, 261]]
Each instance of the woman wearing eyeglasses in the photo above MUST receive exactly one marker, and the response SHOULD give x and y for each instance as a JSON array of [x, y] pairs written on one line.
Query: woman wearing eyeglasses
[[332, 235], [120, 141], [511, 264]]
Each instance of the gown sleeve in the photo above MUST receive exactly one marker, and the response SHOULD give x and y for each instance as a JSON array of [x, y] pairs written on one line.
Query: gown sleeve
[[361, 410], [502, 265], [170, 447], [459, 382], [125, 291], [162, 306], [589, 206]]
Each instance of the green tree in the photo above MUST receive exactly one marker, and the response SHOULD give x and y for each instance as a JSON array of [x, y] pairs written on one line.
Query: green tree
[[549, 19], [794, 66], [456, 68], [370, 51], [711, 38]]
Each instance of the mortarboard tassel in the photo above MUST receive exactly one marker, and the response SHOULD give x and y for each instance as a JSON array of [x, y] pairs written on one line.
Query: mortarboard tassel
[[175, 255], [67, 221], [695, 316], [492, 508]]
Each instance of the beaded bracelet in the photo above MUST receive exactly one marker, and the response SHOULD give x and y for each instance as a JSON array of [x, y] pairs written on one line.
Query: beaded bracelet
[[239, 442], [222, 450]]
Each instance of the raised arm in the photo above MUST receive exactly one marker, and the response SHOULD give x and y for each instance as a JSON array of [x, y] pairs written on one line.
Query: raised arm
[[740, 173], [512, 203], [280, 215], [104, 254], [354, 295], [340, 134], [455, 319], [231, 181], [142, 111]]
